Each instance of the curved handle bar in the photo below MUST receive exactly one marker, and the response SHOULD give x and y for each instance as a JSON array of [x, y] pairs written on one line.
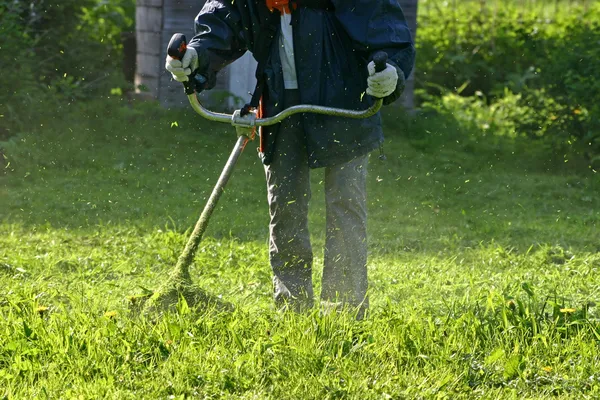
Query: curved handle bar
[[303, 108], [177, 48]]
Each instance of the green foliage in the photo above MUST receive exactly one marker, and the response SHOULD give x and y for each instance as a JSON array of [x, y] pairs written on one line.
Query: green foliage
[[17, 86], [503, 117], [58, 52], [483, 269], [107, 20], [542, 63]]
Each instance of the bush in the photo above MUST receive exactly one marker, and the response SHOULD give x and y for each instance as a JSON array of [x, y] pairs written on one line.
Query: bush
[[55, 52], [474, 113], [538, 75], [16, 80]]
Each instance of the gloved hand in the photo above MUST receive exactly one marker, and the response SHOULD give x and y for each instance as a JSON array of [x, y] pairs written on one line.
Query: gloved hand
[[381, 84], [182, 69]]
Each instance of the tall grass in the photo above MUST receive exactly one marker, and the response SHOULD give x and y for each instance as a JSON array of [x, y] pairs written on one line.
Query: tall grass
[[483, 269]]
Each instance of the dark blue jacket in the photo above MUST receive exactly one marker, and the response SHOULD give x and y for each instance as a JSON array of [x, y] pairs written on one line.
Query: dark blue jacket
[[332, 50]]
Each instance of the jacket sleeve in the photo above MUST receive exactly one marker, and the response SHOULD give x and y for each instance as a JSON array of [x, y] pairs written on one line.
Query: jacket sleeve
[[219, 39], [379, 25]]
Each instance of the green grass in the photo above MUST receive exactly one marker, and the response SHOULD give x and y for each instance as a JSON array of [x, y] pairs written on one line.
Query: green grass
[[484, 268]]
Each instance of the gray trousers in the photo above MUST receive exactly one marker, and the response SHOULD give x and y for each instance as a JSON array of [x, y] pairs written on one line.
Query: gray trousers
[[290, 251]]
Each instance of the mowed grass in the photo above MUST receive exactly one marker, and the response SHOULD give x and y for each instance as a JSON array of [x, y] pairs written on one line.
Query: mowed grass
[[484, 268]]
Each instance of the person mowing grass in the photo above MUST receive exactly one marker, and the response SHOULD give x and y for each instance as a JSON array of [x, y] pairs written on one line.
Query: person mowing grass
[[310, 52]]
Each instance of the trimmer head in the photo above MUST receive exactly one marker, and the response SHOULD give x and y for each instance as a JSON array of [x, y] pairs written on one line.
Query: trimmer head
[[178, 287]]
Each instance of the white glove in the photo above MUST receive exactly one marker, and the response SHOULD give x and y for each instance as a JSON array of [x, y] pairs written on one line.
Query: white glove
[[381, 84], [182, 69]]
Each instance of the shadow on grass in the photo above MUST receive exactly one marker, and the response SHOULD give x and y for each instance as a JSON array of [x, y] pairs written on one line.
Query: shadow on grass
[[440, 188]]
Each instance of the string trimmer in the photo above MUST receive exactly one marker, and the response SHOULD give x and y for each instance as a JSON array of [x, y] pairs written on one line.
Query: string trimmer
[[180, 282]]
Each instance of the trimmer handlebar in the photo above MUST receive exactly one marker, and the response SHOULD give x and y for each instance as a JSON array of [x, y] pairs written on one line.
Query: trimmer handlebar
[[176, 49]]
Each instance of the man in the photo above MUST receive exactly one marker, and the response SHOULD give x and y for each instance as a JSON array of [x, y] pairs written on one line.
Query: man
[[311, 52]]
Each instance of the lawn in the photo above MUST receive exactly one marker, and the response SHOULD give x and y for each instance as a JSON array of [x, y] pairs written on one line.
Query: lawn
[[484, 268]]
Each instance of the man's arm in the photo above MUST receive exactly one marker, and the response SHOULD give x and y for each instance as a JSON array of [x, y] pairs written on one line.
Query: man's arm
[[375, 25], [219, 40]]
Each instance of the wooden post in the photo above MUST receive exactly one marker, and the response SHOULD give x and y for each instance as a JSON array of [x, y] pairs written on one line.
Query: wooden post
[[149, 24]]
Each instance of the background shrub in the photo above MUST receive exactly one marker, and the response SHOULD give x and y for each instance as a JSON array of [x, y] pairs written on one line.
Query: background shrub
[[55, 52], [536, 69]]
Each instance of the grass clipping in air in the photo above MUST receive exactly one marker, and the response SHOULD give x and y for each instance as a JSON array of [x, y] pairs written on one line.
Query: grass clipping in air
[[176, 289], [179, 286]]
